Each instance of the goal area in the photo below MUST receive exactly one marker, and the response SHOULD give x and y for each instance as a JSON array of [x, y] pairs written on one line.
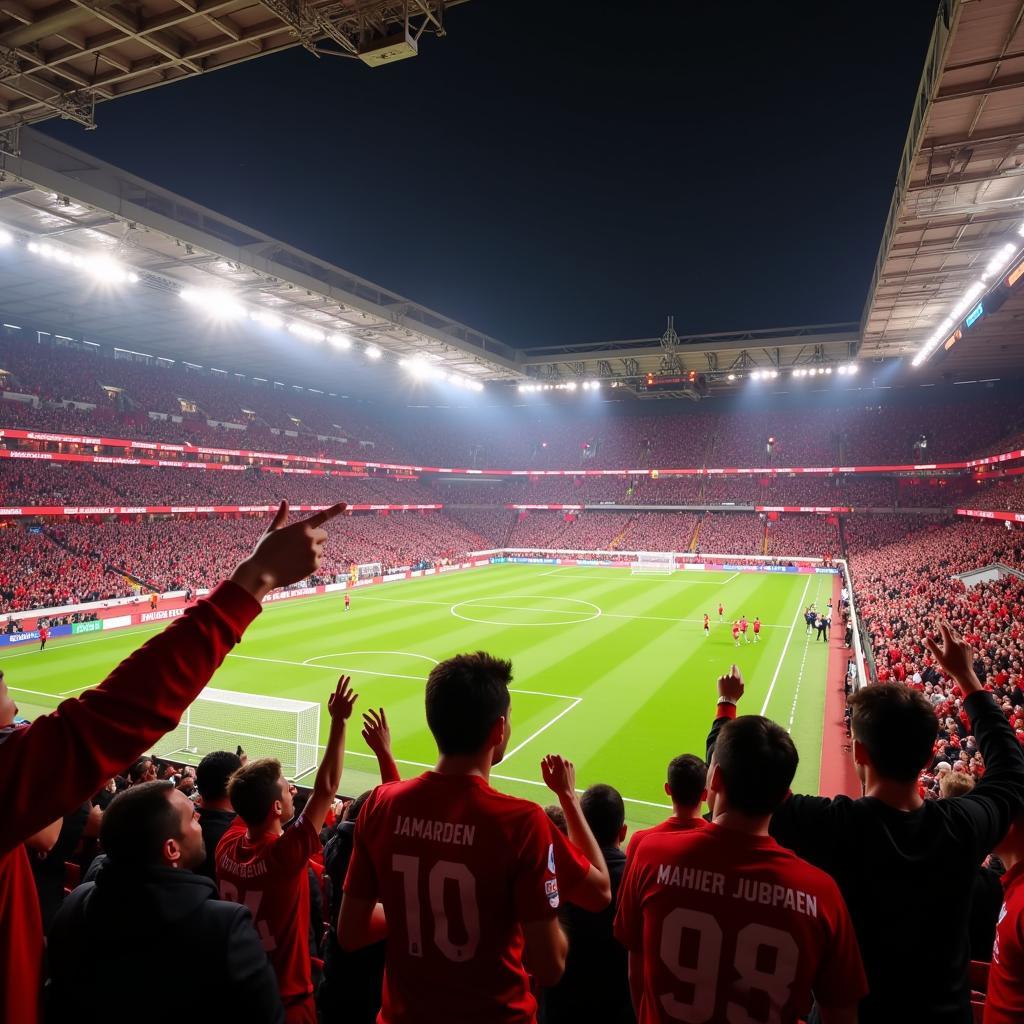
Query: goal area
[[368, 570], [660, 563], [263, 726]]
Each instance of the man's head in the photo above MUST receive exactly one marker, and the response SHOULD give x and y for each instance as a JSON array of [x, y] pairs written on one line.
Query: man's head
[[261, 795], [605, 813], [468, 705], [214, 773], [8, 709], [752, 767], [144, 770], [955, 784], [894, 730], [152, 825], [687, 783]]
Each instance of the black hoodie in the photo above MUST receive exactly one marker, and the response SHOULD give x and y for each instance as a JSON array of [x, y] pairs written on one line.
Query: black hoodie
[[157, 945]]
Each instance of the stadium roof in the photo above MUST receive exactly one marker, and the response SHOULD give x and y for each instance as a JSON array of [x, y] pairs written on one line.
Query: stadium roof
[[59, 59], [959, 195], [52, 193]]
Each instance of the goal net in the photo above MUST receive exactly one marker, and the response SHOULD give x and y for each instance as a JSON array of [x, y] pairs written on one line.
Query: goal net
[[659, 562], [368, 570], [263, 726]]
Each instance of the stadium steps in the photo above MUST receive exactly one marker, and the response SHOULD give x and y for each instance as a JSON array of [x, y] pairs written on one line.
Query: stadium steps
[[696, 536], [764, 541], [613, 546]]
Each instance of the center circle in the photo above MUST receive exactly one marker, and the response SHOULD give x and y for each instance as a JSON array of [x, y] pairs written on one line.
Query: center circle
[[526, 610]]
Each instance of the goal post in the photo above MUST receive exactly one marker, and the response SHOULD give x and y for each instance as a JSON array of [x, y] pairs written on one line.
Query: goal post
[[657, 562], [263, 726], [368, 570]]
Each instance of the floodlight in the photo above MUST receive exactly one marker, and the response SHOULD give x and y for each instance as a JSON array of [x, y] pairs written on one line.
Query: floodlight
[[372, 352], [340, 341], [268, 319]]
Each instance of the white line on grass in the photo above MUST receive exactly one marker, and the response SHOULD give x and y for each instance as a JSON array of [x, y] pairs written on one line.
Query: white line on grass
[[803, 662], [604, 614], [782, 657], [547, 725]]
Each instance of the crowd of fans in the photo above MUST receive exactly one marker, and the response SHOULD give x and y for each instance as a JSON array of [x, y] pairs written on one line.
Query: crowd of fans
[[437, 898]]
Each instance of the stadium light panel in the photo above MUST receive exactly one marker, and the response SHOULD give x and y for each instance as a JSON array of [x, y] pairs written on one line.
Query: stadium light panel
[[340, 341], [1001, 260], [732, 376], [571, 386], [6, 238], [372, 352], [306, 331], [214, 302], [271, 320]]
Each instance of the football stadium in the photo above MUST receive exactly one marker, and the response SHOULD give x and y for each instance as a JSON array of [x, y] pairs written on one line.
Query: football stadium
[[562, 649]]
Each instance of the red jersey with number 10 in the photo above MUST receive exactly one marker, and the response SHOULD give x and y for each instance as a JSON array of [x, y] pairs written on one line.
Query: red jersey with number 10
[[734, 927], [459, 867]]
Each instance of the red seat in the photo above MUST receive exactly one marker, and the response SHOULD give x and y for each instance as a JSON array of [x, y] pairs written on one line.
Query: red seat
[[977, 973], [72, 876]]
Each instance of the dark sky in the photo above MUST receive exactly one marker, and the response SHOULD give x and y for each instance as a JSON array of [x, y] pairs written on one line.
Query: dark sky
[[549, 177]]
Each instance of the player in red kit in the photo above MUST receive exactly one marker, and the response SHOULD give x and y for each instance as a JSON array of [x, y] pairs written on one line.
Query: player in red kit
[[265, 867], [744, 625], [44, 635], [721, 610], [757, 629], [348, 601], [722, 923], [467, 875], [736, 634], [707, 624]]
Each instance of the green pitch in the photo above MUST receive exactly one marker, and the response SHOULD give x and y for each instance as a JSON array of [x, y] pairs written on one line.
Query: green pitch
[[611, 670]]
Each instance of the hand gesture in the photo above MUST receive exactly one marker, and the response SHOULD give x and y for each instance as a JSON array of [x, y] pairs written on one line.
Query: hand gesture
[[376, 731], [342, 701], [285, 554], [731, 685], [559, 775], [955, 657]]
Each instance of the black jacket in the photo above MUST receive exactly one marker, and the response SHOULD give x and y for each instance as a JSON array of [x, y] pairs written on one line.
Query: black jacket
[[907, 876], [595, 985], [157, 945], [214, 824]]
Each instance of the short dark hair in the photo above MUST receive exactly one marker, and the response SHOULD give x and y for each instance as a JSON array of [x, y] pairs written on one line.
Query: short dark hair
[[214, 773], [351, 812], [687, 779], [466, 695], [254, 788], [138, 770], [556, 816], [605, 813], [138, 822], [757, 760], [898, 727]]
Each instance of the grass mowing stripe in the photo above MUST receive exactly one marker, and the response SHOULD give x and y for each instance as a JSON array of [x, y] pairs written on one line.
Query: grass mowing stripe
[[778, 667]]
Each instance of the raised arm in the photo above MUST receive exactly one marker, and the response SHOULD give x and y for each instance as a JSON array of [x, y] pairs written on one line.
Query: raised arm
[[987, 811], [328, 775], [594, 890], [94, 736], [377, 735]]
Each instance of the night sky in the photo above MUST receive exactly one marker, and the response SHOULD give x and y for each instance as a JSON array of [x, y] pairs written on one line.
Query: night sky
[[551, 178]]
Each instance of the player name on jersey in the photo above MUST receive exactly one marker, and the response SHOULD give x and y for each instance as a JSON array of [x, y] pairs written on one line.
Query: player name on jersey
[[438, 831], [749, 889]]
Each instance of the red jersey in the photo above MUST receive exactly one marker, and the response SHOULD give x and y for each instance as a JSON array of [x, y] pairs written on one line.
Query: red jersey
[[348, 600], [669, 825], [757, 625], [721, 609], [731, 926], [44, 632], [458, 867], [743, 625], [735, 629], [270, 877], [706, 619], [1004, 1003]]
